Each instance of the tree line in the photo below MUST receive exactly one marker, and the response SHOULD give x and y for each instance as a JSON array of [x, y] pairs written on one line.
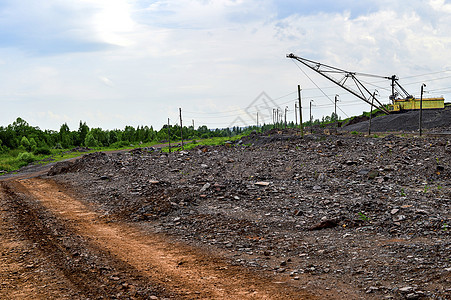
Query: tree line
[[20, 135]]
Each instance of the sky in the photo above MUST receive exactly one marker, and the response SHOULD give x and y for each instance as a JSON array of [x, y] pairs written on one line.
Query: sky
[[113, 63]]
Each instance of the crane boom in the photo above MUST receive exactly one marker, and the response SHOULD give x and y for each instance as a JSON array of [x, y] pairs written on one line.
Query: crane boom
[[360, 90]]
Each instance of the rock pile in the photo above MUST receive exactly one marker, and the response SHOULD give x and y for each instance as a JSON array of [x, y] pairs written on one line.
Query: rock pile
[[371, 212]]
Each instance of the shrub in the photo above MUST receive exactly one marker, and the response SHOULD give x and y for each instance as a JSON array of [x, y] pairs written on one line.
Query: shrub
[[25, 143], [120, 144], [43, 151], [26, 157]]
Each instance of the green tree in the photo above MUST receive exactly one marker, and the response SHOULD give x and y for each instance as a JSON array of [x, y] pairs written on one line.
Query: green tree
[[129, 134], [90, 140], [25, 143], [64, 136], [83, 130], [33, 144]]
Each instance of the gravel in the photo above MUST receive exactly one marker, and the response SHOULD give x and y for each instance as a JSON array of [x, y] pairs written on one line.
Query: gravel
[[370, 212]]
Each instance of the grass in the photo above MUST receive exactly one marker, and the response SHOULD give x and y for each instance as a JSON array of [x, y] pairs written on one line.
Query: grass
[[217, 141], [13, 160]]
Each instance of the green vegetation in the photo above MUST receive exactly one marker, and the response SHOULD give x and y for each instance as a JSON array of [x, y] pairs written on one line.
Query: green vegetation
[[21, 144], [363, 217], [210, 142]]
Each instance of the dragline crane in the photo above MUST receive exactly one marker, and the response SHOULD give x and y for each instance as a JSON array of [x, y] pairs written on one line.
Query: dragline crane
[[352, 84]]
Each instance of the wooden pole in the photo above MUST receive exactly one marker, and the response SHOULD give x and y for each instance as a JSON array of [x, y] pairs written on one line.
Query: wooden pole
[[300, 110], [336, 116], [181, 126], [311, 122], [296, 112], [285, 118], [421, 110], [371, 113], [169, 137]]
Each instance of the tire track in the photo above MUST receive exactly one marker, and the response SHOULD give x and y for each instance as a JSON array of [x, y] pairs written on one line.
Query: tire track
[[187, 272], [92, 273]]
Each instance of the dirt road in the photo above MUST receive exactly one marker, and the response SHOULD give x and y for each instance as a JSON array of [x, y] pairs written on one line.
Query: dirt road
[[54, 246]]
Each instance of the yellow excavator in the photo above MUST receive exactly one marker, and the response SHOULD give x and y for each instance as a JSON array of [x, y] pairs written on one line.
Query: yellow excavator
[[401, 100]]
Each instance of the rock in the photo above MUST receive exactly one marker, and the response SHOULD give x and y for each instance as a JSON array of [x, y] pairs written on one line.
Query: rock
[[152, 181], [394, 211], [104, 177], [324, 224], [373, 174], [406, 289], [399, 218], [262, 183], [205, 187], [363, 172], [412, 296]]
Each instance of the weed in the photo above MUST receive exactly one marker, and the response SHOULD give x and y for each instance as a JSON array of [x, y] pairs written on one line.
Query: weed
[[439, 187], [363, 217], [403, 193], [354, 132], [445, 226], [425, 189]]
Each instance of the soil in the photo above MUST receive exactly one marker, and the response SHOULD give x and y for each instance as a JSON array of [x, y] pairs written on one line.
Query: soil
[[272, 216]]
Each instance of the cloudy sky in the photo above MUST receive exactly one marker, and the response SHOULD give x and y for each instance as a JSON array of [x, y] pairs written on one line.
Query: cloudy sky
[[114, 63]]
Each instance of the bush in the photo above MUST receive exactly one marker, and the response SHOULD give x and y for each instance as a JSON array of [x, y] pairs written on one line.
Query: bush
[[120, 144], [26, 157], [43, 151]]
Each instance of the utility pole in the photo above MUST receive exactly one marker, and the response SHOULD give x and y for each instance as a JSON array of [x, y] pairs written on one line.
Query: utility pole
[[278, 117], [421, 109], [296, 112], [181, 126], [371, 112], [193, 124], [286, 109], [257, 120], [169, 137], [311, 120], [336, 116], [300, 111], [273, 116]]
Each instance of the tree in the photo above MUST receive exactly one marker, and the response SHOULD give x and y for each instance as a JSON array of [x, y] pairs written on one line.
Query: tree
[[25, 143], [64, 136], [90, 140], [33, 144], [83, 130]]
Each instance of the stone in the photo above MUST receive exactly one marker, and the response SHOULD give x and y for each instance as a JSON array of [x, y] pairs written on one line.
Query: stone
[[406, 289], [205, 187], [373, 174], [262, 183], [394, 211]]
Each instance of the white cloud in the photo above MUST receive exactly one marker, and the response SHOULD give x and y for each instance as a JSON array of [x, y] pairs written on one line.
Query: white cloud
[[203, 56]]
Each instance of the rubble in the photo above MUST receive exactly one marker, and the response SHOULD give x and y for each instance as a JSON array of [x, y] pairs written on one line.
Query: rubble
[[371, 212]]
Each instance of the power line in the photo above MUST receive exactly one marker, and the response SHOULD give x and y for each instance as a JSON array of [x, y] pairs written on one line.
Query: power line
[[318, 87]]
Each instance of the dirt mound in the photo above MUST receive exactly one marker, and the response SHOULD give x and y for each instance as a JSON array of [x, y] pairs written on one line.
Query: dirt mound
[[371, 212], [433, 120]]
